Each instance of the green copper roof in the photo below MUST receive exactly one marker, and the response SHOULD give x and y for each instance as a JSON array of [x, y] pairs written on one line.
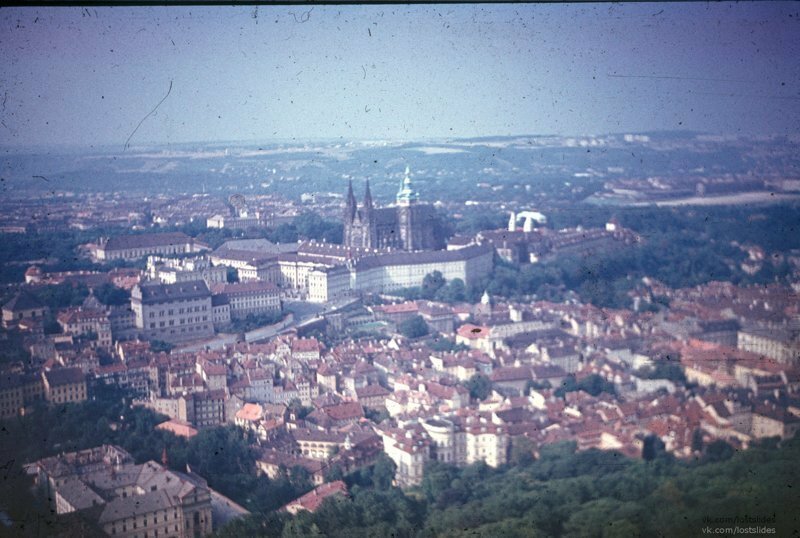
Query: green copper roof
[[406, 194]]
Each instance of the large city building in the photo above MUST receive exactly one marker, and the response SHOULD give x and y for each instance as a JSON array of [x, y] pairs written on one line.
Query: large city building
[[201, 409], [54, 386], [389, 272], [172, 270], [240, 222], [17, 391], [781, 343], [246, 298], [322, 272], [125, 499], [132, 247], [64, 385], [457, 440], [87, 322], [409, 225], [241, 217], [173, 312]]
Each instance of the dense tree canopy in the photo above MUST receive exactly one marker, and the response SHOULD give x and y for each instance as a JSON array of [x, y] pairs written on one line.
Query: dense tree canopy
[[109, 294], [562, 493], [670, 370], [593, 384], [479, 387], [254, 321], [62, 295], [311, 226], [681, 247], [413, 327]]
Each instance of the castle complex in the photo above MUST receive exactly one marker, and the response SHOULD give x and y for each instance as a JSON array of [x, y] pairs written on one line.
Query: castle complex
[[408, 225]]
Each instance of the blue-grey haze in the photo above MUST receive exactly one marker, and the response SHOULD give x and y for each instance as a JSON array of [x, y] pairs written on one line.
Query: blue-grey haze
[[89, 75]]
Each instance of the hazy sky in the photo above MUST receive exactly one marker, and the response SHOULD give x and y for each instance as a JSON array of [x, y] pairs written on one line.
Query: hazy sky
[[90, 75]]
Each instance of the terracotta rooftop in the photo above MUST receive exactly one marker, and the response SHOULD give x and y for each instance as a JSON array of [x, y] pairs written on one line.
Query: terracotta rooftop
[[313, 499], [399, 308], [250, 412], [179, 428], [305, 344], [473, 332]]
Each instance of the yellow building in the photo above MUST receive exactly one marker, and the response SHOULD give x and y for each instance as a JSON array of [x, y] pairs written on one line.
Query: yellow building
[[64, 385], [11, 401]]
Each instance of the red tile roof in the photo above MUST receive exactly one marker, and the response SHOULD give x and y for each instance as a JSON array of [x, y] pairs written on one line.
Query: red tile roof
[[345, 411], [519, 373], [313, 499], [305, 344], [178, 427], [398, 308], [473, 332]]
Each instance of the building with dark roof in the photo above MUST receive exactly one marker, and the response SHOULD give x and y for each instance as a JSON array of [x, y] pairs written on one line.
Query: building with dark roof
[[781, 342], [771, 420], [132, 247], [22, 306], [220, 310], [173, 312], [322, 272], [106, 486], [64, 385]]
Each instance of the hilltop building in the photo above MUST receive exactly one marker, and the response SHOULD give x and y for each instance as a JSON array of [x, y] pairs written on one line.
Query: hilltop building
[[408, 225], [322, 272], [64, 385]]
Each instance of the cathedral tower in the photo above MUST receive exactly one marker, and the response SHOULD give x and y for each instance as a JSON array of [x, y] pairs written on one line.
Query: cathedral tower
[[368, 212], [407, 224], [349, 214], [359, 224]]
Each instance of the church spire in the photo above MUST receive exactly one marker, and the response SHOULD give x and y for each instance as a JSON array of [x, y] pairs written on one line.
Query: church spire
[[368, 198], [350, 204]]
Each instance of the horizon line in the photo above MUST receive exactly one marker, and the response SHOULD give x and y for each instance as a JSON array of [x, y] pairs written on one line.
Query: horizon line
[[8, 148]]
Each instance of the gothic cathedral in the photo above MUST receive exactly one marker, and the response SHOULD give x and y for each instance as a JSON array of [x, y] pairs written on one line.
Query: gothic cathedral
[[408, 225]]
